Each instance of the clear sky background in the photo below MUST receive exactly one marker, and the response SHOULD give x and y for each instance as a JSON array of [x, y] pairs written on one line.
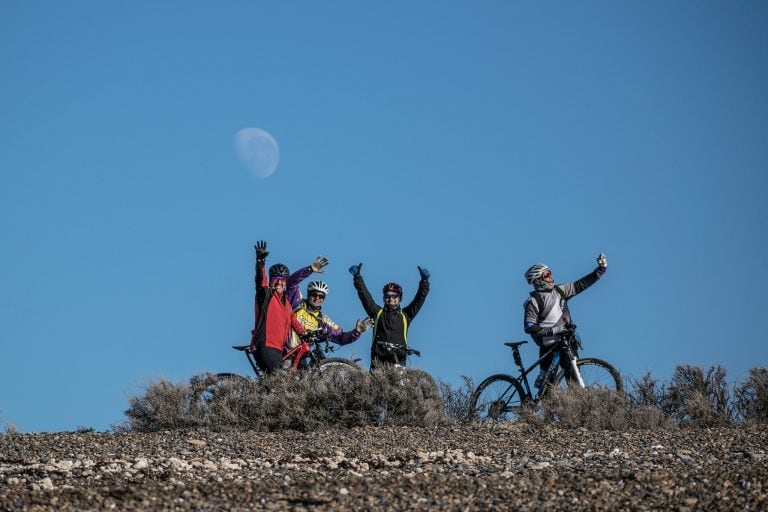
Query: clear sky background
[[473, 138]]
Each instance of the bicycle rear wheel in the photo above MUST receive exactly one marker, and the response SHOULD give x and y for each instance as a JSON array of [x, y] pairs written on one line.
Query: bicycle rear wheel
[[205, 390], [596, 373], [498, 398]]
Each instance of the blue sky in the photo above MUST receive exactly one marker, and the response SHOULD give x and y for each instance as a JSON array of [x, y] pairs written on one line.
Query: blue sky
[[473, 138]]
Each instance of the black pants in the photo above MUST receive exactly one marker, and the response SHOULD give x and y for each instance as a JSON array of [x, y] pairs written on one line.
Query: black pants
[[270, 359], [379, 359]]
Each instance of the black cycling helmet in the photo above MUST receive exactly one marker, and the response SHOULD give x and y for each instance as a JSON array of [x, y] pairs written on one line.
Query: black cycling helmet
[[393, 287], [278, 270]]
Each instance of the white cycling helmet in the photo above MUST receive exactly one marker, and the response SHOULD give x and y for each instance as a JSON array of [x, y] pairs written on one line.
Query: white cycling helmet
[[317, 286], [535, 272]]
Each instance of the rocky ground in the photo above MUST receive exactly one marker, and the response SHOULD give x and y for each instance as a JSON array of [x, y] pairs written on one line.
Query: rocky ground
[[497, 467]]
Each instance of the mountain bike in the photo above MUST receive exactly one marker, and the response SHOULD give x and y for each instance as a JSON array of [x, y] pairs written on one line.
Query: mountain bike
[[502, 396], [308, 356], [410, 376]]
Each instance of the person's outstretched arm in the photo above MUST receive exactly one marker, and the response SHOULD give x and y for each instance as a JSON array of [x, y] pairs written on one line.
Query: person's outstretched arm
[[412, 309], [578, 286], [369, 305]]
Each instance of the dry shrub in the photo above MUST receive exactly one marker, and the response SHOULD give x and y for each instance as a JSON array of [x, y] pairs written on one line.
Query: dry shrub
[[645, 392], [595, 408], [751, 397], [304, 402], [164, 406], [694, 398], [646, 397], [456, 399]]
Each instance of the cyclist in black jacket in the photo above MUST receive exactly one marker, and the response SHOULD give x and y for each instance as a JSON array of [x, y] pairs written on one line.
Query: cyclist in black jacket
[[390, 323]]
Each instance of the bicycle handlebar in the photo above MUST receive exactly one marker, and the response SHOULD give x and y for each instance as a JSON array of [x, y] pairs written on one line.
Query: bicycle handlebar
[[399, 349]]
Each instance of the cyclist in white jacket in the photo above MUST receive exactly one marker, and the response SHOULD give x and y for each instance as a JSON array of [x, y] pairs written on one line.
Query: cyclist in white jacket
[[546, 310]]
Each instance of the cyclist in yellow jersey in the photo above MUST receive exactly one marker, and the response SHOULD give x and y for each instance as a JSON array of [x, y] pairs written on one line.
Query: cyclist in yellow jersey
[[310, 316]]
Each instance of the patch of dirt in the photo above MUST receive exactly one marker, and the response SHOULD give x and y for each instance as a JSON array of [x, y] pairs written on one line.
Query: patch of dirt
[[470, 467]]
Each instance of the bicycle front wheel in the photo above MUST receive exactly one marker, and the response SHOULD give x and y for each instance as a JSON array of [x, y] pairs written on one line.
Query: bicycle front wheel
[[336, 368], [498, 398], [595, 373]]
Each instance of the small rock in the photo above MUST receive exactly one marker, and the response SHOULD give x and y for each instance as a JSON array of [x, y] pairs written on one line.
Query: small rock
[[46, 484]]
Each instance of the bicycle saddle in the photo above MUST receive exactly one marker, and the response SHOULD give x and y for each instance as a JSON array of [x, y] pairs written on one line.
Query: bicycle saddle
[[514, 344]]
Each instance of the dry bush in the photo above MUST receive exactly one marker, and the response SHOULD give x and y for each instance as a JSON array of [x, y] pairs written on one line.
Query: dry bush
[[164, 406], [646, 392], [751, 397], [303, 402], [596, 408], [697, 399], [646, 398], [456, 399]]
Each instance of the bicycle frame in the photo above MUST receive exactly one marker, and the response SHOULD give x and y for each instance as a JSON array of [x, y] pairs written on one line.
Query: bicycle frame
[[562, 345], [295, 355]]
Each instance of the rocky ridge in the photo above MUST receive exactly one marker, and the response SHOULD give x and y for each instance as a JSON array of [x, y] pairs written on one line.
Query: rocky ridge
[[477, 467]]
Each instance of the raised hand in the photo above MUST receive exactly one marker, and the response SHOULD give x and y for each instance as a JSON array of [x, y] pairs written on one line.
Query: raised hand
[[355, 269], [318, 264], [261, 250], [363, 325], [602, 261], [423, 272]]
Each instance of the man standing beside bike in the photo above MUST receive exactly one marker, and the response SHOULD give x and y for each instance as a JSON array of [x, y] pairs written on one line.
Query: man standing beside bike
[[547, 318], [391, 322]]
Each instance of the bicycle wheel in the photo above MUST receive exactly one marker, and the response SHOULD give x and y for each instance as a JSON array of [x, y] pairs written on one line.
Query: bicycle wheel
[[336, 368], [595, 373], [421, 380], [204, 390], [498, 398]]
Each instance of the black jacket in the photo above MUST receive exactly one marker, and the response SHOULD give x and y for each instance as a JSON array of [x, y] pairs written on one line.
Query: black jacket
[[390, 327]]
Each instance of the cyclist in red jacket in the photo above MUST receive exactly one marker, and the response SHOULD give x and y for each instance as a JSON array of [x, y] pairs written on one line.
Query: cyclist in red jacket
[[275, 313]]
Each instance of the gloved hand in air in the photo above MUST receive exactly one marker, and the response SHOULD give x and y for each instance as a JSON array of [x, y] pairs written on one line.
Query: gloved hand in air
[[261, 250], [355, 269], [423, 272], [602, 261], [363, 325], [318, 264]]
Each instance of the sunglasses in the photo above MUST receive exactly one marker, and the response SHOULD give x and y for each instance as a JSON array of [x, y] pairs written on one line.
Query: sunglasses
[[391, 296], [317, 295]]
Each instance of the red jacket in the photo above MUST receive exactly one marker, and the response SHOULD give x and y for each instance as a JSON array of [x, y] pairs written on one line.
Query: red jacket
[[275, 317], [279, 320]]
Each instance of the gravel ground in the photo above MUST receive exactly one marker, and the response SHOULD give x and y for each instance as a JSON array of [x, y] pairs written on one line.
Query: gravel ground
[[480, 467]]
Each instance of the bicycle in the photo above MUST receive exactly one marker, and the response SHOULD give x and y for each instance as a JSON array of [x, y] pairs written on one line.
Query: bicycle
[[410, 376], [502, 396], [309, 355]]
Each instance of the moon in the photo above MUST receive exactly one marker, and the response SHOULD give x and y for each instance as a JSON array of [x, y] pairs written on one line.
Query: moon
[[258, 151]]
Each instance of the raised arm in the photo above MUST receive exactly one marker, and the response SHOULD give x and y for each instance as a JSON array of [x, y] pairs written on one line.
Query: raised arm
[[369, 305], [578, 286], [412, 309], [337, 335], [261, 258]]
